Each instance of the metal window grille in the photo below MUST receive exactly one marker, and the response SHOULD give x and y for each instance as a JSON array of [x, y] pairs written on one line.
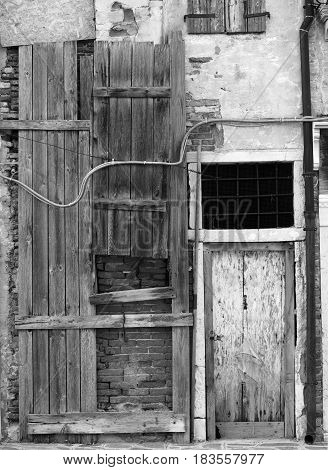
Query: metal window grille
[[247, 196]]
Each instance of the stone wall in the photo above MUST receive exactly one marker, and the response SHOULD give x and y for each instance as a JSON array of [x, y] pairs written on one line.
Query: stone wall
[[134, 366]]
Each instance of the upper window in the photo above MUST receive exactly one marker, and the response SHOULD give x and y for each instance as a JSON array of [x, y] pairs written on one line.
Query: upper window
[[247, 196], [226, 16]]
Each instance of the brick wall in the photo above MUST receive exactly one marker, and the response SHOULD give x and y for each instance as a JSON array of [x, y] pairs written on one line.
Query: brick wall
[[9, 230], [134, 366]]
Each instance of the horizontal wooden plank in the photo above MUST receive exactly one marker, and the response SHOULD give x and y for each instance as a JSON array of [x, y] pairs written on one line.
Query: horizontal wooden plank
[[106, 423], [132, 92], [241, 430], [45, 125], [144, 320], [137, 295], [131, 205]]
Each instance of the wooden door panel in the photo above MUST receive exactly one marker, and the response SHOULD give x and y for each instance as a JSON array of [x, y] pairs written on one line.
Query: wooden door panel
[[227, 317], [261, 355], [248, 324]]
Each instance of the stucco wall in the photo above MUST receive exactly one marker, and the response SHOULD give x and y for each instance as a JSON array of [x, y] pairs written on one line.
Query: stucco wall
[[29, 21]]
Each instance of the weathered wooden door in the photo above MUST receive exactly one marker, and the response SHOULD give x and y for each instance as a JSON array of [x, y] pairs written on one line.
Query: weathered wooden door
[[137, 114], [250, 340]]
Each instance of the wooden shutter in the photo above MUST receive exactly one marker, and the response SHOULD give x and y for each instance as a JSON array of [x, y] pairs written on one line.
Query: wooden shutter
[[230, 16], [203, 24], [258, 23]]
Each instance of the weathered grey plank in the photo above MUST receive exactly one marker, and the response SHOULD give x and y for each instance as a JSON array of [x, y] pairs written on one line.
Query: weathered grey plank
[[178, 240], [25, 239], [88, 377], [240, 430], [289, 352], [131, 205], [257, 24], [161, 149], [72, 163], [142, 149], [56, 178], [119, 222], [130, 92], [40, 233], [209, 347], [235, 21], [106, 423], [100, 146], [44, 125], [133, 295], [105, 321]]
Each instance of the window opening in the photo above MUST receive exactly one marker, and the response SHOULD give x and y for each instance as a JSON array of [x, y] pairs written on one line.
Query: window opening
[[247, 196]]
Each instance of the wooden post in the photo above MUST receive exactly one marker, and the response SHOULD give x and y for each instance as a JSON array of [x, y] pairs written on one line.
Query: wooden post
[[25, 240], [40, 263], [178, 240]]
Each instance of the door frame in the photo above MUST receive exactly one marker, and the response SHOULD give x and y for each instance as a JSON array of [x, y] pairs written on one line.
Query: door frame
[[288, 366]]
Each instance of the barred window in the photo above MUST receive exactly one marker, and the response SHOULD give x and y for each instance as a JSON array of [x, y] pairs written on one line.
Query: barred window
[[226, 16], [247, 196]]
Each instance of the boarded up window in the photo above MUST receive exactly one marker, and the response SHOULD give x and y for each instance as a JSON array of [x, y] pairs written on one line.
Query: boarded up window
[[226, 16]]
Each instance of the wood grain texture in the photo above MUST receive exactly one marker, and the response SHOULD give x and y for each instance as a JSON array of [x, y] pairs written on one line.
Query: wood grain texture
[[161, 123], [71, 225], [107, 423], [240, 430], [40, 233], [209, 347], [256, 25], [56, 188], [100, 146], [88, 377], [261, 355], [206, 25], [178, 244], [44, 125], [105, 321], [129, 91], [289, 348], [133, 295], [142, 149], [119, 222], [25, 239], [131, 205], [235, 21], [227, 322]]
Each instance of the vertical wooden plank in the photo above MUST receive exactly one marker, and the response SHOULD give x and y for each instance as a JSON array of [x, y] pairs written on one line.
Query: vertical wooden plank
[[178, 238], [57, 339], [142, 149], [217, 25], [289, 348], [227, 293], [235, 22], [100, 147], [25, 239], [258, 24], [119, 229], [261, 352], [73, 360], [161, 148], [40, 234], [71, 181], [88, 371], [209, 351]]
